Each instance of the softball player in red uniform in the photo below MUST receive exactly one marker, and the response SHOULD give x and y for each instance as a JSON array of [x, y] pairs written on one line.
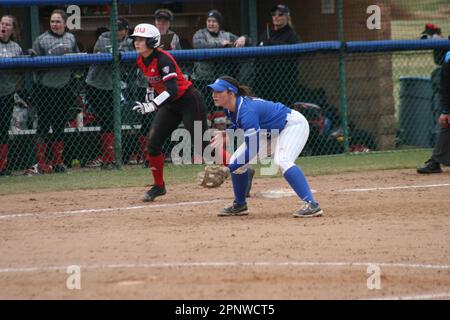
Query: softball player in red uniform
[[176, 101]]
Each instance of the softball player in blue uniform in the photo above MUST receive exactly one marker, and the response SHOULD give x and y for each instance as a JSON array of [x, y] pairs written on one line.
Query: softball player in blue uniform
[[252, 115]]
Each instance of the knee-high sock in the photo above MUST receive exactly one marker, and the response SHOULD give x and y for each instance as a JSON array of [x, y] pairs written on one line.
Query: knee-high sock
[[297, 181], [40, 153], [108, 147], [57, 151], [3, 156], [222, 156], [240, 183], [157, 168], [143, 142]]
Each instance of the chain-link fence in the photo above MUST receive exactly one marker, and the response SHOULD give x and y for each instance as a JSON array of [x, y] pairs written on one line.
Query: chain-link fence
[[63, 113]]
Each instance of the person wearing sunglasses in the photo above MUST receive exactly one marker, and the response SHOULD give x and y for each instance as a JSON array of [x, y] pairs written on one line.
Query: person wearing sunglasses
[[281, 31]]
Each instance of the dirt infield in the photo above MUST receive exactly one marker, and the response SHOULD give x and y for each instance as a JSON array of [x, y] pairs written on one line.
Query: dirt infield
[[177, 248]]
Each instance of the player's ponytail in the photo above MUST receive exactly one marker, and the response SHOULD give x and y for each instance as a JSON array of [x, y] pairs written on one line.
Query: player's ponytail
[[242, 90]]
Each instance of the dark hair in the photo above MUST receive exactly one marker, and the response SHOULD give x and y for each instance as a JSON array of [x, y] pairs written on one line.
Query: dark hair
[[164, 14], [122, 24], [61, 13], [15, 33], [242, 90]]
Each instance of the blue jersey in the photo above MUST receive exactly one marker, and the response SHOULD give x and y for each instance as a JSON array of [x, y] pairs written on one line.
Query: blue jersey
[[255, 113], [252, 115]]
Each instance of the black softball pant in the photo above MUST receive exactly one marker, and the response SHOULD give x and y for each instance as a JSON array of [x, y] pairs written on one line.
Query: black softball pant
[[53, 107], [6, 111], [101, 102], [441, 151], [188, 109]]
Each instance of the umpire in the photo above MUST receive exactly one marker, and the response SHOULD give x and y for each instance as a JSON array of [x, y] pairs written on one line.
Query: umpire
[[441, 151]]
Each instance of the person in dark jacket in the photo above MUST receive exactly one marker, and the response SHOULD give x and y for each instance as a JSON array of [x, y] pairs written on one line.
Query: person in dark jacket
[[280, 70], [281, 31], [441, 151]]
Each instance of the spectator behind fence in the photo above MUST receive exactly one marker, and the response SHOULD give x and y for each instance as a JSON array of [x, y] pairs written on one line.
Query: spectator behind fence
[[99, 93], [441, 151], [8, 80], [281, 31], [213, 37], [282, 69], [163, 21], [433, 31], [53, 95]]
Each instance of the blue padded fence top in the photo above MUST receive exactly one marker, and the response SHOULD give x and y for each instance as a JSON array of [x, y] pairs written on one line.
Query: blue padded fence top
[[55, 61], [396, 45], [249, 52], [26, 3]]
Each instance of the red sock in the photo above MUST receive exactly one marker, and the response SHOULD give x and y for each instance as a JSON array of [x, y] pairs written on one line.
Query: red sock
[[108, 147], [57, 151], [157, 167], [223, 157], [3, 156], [143, 142]]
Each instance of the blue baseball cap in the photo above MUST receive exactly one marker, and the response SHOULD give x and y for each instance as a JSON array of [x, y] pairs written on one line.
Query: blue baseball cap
[[222, 85]]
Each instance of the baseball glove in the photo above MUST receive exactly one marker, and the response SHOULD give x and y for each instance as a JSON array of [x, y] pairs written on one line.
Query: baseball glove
[[213, 176]]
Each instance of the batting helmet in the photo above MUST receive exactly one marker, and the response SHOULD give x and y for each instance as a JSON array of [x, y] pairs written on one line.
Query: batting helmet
[[150, 32]]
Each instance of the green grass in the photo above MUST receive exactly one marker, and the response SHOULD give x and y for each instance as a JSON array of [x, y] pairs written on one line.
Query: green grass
[[421, 5], [411, 29], [139, 177]]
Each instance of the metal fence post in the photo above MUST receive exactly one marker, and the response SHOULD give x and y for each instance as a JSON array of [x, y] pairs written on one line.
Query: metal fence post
[[116, 87], [342, 79]]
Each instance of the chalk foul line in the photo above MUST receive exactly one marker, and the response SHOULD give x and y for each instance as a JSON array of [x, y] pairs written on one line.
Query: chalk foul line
[[396, 188], [100, 210], [228, 264]]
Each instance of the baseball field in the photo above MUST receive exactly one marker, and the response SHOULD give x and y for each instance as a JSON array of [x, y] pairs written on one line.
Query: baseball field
[[385, 234]]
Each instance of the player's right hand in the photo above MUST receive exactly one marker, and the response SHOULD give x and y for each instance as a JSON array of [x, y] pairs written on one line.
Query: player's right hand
[[143, 108]]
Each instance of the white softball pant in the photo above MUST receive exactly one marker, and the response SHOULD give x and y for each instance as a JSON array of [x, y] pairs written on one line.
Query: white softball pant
[[285, 148]]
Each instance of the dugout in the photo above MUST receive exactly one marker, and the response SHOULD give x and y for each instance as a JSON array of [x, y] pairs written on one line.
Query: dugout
[[369, 78], [419, 110]]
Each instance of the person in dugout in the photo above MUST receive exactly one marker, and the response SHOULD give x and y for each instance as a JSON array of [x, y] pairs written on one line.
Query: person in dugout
[[52, 95], [8, 49], [99, 93]]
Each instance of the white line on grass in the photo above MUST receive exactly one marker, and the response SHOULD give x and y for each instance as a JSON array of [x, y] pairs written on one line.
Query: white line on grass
[[396, 188], [229, 264], [87, 211]]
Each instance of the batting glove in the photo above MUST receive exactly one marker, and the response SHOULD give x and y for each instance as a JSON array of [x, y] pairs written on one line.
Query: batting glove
[[149, 95], [143, 108]]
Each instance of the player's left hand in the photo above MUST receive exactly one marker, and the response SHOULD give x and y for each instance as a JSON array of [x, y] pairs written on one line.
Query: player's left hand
[[143, 108]]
